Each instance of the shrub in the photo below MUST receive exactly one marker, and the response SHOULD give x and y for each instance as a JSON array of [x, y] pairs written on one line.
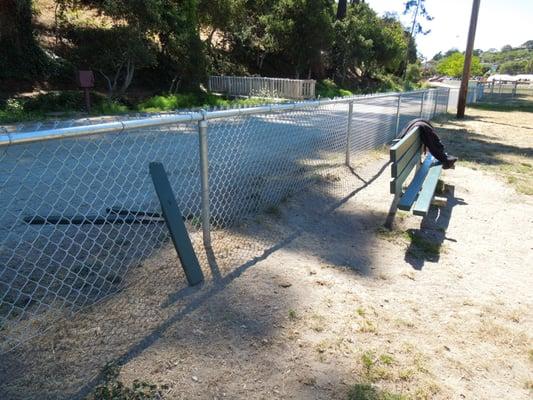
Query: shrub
[[329, 89]]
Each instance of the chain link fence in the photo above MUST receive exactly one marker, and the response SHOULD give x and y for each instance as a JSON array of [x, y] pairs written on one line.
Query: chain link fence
[[78, 209], [499, 92]]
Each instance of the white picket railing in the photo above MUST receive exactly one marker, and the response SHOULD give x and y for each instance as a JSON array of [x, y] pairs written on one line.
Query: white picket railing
[[263, 87]]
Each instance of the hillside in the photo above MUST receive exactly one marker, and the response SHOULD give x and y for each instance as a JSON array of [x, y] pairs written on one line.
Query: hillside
[[510, 60]]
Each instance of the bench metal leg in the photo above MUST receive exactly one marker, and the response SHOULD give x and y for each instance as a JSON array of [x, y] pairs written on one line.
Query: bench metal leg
[[389, 222]]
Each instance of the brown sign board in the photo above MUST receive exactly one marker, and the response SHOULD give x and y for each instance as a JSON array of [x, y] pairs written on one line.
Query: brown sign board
[[85, 79]]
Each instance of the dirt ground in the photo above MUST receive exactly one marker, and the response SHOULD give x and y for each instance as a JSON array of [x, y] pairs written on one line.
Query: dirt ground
[[328, 305]]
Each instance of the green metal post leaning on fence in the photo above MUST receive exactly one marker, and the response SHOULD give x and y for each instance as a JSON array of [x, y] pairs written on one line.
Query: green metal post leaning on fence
[[204, 177], [348, 132], [175, 224]]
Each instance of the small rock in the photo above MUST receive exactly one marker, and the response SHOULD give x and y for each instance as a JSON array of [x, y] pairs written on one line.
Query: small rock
[[285, 284], [195, 378]]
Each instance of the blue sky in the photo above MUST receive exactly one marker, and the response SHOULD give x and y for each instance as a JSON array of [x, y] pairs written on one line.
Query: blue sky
[[500, 23]]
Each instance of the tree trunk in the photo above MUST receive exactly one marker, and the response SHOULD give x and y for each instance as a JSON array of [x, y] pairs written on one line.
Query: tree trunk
[[341, 9], [128, 78]]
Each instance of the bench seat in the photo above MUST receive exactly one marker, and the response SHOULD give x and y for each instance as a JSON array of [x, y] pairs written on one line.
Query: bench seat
[[407, 155]]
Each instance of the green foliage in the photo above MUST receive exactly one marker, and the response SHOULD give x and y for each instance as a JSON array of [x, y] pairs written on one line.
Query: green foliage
[[109, 107], [528, 45], [413, 73], [57, 104], [114, 389], [513, 67], [298, 31], [114, 53], [498, 57], [387, 83], [452, 65], [162, 30], [169, 102], [21, 56], [365, 44], [156, 44], [194, 100], [329, 89], [13, 111], [368, 392], [507, 61]]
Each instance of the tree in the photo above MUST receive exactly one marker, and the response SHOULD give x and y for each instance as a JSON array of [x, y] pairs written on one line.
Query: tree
[[21, 55], [298, 32], [453, 65], [366, 44], [114, 53], [507, 47], [342, 7], [528, 45], [415, 8], [438, 56], [171, 25], [414, 73], [528, 68], [513, 67]]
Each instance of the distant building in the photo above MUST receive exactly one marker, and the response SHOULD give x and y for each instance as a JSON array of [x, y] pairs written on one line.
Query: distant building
[[510, 78]]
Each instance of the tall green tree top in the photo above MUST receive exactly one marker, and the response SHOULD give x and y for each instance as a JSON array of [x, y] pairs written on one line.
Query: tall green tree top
[[454, 63]]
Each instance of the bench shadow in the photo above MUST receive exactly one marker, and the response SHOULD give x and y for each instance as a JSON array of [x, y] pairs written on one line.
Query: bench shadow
[[427, 241]]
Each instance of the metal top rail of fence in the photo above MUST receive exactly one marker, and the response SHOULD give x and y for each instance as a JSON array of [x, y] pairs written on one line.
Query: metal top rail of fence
[[25, 135], [78, 211]]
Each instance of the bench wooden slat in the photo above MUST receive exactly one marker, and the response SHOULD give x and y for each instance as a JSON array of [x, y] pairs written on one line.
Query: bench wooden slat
[[399, 149], [409, 197], [421, 207], [396, 183], [414, 151]]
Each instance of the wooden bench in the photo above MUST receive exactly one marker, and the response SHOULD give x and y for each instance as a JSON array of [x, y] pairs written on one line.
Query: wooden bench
[[407, 154]]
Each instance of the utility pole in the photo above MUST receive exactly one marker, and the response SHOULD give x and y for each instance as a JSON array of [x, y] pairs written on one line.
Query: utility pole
[[461, 104]]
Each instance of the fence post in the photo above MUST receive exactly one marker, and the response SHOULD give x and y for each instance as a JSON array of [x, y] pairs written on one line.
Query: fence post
[[204, 176], [436, 102], [398, 113], [348, 132], [447, 99], [422, 103]]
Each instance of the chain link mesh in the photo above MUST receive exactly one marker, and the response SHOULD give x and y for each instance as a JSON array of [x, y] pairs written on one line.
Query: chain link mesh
[[79, 214]]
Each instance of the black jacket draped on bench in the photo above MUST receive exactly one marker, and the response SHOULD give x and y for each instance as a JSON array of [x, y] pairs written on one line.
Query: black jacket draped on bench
[[429, 138]]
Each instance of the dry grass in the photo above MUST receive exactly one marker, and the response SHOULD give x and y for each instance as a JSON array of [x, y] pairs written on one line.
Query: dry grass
[[498, 142], [302, 310]]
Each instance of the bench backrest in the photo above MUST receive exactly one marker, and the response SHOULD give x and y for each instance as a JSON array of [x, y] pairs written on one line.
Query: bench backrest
[[405, 155]]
